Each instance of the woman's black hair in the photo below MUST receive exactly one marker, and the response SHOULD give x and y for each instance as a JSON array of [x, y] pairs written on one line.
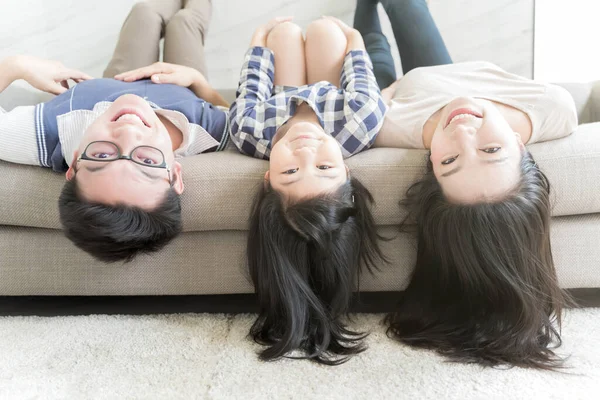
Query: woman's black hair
[[484, 288], [304, 260]]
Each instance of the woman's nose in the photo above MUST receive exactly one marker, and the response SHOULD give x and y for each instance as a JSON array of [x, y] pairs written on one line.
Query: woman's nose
[[465, 130], [464, 134]]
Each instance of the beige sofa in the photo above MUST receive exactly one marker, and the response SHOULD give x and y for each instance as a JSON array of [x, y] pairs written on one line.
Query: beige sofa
[[208, 258]]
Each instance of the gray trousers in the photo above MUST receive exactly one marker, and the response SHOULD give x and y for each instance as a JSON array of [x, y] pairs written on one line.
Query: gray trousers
[[182, 23]]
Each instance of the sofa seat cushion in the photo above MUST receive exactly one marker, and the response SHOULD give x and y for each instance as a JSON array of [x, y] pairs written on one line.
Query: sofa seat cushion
[[219, 187]]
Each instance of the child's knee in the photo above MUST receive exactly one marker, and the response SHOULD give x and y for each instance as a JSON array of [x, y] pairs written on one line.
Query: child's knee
[[285, 31], [323, 27]]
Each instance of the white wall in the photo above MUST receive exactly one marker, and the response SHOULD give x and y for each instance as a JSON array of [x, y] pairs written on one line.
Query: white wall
[[566, 40], [82, 33]]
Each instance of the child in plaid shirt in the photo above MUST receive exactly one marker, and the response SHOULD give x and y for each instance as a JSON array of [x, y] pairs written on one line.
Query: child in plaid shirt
[[310, 227]]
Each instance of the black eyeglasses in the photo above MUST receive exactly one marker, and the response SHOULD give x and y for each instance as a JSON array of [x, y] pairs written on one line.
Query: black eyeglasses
[[104, 151]]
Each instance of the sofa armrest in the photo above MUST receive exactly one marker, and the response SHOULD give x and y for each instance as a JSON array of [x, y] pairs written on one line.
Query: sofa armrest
[[587, 100]]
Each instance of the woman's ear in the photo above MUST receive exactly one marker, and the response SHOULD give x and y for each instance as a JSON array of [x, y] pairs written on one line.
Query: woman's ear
[[347, 172], [177, 178], [519, 140]]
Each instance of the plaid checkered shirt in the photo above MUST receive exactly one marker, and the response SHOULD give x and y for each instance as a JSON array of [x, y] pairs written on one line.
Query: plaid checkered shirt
[[352, 114]]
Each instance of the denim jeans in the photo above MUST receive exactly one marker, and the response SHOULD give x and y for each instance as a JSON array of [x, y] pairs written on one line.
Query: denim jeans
[[418, 38]]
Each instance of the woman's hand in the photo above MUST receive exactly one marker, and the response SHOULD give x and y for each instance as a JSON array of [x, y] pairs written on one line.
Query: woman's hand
[[260, 34], [46, 75], [161, 72]]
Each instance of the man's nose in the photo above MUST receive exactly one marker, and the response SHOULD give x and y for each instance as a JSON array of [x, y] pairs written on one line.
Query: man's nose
[[127, 132]]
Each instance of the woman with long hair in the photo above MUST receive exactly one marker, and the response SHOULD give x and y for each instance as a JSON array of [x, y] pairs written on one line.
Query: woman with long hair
[[484, 287], [306, 105]]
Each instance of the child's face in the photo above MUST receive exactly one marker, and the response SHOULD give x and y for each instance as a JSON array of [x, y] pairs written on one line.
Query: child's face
[[129, 122], [306, 162]]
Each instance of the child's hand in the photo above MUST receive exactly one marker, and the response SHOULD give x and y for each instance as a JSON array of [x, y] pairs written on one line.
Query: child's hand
[[388, 94], [343, 26], [46, 75], [260, 35], [353, 36], [161, 72]]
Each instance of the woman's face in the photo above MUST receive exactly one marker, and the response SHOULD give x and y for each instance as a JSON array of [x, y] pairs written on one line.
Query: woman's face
[[306, 162], [474, 152]]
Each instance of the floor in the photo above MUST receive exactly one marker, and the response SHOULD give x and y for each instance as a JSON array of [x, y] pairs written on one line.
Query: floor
[[208, 356]]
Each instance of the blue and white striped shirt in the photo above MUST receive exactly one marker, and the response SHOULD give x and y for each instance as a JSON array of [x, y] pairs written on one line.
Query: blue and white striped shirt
[[47, 134], [352, 114]]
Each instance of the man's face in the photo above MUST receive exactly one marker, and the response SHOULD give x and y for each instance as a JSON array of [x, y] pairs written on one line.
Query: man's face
[[129, 122], [474, 152]]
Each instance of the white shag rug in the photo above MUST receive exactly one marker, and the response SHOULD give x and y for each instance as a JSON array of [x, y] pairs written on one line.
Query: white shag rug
[[203, 356]]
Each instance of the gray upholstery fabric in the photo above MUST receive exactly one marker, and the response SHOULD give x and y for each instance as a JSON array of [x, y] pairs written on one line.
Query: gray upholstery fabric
[[220, 186], [36, 259], [43, 262]]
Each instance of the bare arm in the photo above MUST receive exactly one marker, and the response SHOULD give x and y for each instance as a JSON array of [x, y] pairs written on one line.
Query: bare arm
[[46, 75], [203, 89], [355, 41], [179, 75], [8, 73]]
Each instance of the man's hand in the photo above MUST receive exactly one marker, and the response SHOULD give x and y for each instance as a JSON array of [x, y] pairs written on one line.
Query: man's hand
[[46, 75], [179, 75], [260, 34], [161, 72]]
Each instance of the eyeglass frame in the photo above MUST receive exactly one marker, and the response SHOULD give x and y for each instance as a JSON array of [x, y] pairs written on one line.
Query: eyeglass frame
[[121, 156]]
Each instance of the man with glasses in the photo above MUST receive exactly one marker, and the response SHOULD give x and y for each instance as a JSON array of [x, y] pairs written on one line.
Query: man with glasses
[[118, 139]]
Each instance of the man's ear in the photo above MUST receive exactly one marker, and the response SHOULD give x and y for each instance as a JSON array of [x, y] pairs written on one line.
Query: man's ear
[[71, 171], [267, 178], [177, 178], [347, 172]]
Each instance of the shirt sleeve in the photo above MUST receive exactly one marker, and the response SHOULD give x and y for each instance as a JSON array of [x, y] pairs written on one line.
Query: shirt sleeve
[[247, 113], [362, 102], [560, 115], [18, 140]]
